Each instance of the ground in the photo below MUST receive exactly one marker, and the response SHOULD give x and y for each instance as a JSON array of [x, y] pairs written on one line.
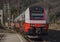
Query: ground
[[53, 35], [13, 37]]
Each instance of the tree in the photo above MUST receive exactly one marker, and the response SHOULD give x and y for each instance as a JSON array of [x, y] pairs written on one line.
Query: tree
[[13, 12]]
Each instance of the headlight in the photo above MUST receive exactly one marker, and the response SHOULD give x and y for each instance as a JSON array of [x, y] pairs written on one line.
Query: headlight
[[32, 24]]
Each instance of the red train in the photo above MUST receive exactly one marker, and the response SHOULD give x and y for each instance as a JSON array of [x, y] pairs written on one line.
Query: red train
[[34, 21]]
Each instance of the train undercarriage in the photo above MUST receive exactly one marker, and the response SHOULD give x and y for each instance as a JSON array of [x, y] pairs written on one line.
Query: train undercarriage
[[37, 32]]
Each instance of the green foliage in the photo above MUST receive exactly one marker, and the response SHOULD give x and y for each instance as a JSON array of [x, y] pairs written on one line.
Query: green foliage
[[17, 29], [13, 11], [57, 14], [52, 18]]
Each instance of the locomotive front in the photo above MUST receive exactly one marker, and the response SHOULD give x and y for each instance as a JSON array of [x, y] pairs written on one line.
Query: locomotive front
[[36, 21]]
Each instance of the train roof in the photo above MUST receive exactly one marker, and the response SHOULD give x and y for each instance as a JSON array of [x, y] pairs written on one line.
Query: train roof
[[18, 18], [38, 4]]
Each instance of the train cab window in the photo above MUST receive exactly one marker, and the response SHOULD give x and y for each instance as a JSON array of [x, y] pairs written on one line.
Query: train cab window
[[36, 13]]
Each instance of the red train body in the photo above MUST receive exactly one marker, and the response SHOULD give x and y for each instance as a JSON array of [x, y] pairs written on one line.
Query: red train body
[[34, 21]]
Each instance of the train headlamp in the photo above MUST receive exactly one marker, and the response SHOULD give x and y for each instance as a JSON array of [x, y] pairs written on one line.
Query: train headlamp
[[32, 25]]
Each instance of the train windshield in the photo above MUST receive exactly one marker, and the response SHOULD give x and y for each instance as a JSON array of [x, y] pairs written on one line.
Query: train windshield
[[36, 13]]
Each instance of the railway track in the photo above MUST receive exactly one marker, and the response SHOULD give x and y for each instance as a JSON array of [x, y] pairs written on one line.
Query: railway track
[[40, 39], [53, 36], [36, 40]]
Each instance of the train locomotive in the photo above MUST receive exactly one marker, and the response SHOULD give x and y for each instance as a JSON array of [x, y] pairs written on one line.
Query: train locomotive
[[34, 21]]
